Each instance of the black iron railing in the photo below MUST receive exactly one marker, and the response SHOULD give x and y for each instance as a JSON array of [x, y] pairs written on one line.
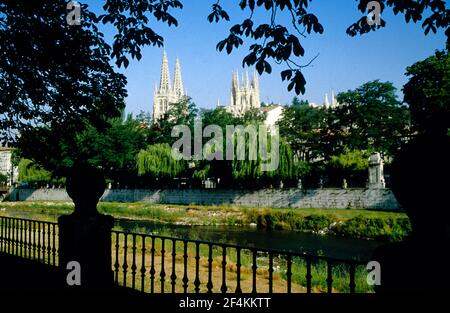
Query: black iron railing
[[158, 264], [29, 239]]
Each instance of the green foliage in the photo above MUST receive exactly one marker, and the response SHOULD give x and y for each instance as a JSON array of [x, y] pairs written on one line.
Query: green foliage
[[30, 172], [38, 85], [296, 102], [378, 228], [351, 160], [289, 220], [278, 40], [182, 113], [157, 161], [351, 165], [248, 170], [3, 178], [369, 117], [428, 93], [112, 148], [375, 228], [300, 127]]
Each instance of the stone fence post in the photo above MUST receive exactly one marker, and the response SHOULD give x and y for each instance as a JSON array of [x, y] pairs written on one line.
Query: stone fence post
[[85, 235]]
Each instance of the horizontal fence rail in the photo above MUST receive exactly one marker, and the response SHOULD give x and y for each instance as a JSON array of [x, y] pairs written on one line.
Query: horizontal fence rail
[[161, 264], [36, 240]]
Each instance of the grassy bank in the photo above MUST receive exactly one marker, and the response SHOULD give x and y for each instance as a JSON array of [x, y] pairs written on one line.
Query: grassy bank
[[366, 224]]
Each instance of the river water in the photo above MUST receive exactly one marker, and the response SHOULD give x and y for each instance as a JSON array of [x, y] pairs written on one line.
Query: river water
[[332, 246]]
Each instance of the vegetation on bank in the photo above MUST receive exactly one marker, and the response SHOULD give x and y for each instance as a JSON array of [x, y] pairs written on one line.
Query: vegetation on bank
[[364, 224]]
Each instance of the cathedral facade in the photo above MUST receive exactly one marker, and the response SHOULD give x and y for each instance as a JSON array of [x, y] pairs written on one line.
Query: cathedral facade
[[167, 93], [244, 93]]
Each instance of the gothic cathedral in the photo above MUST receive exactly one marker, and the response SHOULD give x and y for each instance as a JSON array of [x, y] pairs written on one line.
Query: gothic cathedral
[[167, 94], [244, 94]]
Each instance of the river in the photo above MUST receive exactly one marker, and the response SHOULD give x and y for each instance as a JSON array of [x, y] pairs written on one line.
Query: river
[[332, 246]]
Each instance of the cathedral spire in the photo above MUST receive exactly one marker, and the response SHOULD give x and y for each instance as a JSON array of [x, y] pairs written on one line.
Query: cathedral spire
[[247, 82], [327, 103], [334, 102], [164, 83], [178, 82]]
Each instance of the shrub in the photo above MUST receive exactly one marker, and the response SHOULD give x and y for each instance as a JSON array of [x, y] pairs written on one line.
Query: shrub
[[375, 228]]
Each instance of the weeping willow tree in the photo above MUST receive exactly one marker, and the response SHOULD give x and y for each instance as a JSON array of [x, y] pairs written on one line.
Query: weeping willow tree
[[249, 170], [157, 161], [30, 172]]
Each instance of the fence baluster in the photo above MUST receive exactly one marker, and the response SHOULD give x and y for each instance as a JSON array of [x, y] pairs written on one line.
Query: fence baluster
[[143, 269], [133, 264], [197, 262], [19, 237], [30, 239], [209, 285], [223, 288], [270, 272], [152, 267], [352, 278], [162, 274], [48, 245], [34, 239], [289, 272], [308, 274], [1, 233], [54, 243], [329, 277], [14, 239], [173, 277], [44, 247], [125, 264], [116, 263], [254, 268]]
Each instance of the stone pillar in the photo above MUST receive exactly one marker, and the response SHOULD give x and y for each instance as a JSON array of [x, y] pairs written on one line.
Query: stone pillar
[[85, 235], [376, 176]]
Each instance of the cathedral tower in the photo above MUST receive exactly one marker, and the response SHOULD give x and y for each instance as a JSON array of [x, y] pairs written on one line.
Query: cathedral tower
[[167, 94], [244, 93]]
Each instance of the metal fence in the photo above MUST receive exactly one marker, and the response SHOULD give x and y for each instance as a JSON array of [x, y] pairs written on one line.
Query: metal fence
[[29, 239], [159, 264]]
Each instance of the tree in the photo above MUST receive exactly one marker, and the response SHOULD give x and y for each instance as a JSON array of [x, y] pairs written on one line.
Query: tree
[[156, 161], [300, 125], [3, 178], [249, 171], [252, 116], [281, 42], [369, 117], [296, 102], [53, 74], [182, 113], [30, 172], [38, 86], [351, 165], [112, 149], [428, 93]]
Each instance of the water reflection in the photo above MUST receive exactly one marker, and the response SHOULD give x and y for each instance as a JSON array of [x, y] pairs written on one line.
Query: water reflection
[[332, 246]]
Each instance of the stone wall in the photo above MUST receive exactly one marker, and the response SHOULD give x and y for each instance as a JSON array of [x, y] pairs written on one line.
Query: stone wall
[[326, 198]]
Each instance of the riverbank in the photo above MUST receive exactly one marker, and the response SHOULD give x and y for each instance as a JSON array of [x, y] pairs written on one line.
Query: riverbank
[[351, 223]]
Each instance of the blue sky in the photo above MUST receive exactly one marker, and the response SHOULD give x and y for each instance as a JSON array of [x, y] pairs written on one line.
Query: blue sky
[[344, 62]]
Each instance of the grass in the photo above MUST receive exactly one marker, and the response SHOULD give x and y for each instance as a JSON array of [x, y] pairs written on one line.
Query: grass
[[365, 224]]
